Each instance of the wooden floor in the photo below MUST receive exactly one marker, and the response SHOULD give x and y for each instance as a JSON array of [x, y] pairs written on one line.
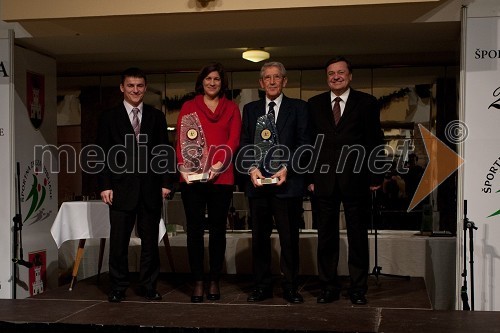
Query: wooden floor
[[394, 305]]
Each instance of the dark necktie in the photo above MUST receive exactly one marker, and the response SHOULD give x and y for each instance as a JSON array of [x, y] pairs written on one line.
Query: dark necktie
[[336, 110], [136, 123], [270, 112]]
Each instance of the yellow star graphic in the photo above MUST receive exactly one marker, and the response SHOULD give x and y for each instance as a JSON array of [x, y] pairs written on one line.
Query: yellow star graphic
[[443, 161]]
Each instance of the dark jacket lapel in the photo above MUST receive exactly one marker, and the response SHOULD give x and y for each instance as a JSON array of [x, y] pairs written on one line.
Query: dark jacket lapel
[[147, 120], [261, 108], [327, 108], [283, 114], [123, 120], [350, 105]]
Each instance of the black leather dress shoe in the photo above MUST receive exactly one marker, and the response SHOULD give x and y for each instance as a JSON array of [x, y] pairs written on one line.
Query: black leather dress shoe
[[358, 299], [293, 296], [152, 295], [328, 296], [196, 299], [259, 294], [213, 297], [116, 296]]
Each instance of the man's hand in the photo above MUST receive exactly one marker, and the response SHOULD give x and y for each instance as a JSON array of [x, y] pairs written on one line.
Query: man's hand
[[254, 175], [310, 188], [281, 175], [165, 192], [107, 197]]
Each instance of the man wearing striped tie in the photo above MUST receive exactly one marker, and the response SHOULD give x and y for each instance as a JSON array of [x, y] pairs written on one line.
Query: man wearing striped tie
[[349, 121], [132, 135]]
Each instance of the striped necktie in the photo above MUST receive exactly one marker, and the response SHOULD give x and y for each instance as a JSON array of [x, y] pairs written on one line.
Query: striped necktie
[[136, 124], [336, 110]]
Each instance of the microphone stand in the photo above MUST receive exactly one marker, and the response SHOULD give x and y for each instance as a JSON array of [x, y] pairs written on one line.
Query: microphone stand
[[17, 230], [377, 269], [470, 226]]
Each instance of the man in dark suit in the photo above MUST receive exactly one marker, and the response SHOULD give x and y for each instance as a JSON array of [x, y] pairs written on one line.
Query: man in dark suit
[[349, 120], [133, 182], [283, 200]]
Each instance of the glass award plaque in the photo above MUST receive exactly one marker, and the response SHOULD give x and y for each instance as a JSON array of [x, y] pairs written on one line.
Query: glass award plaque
[[193, 148], [266, 137]]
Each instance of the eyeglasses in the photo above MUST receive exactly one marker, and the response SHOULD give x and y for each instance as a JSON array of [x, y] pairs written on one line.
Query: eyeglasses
[[276, 77]]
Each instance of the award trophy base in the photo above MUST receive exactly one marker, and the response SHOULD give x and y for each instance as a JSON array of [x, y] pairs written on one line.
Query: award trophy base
[[267, 181], [198, 177]]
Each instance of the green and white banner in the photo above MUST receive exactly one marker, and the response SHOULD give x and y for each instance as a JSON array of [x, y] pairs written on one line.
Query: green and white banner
[[27, 118], [482, 153], [35, 109]]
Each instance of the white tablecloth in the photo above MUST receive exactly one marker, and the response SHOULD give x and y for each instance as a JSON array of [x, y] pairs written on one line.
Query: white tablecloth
[[84, 220]]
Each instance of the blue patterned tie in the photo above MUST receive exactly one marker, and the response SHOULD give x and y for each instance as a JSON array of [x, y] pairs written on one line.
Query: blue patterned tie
[[270, 113]]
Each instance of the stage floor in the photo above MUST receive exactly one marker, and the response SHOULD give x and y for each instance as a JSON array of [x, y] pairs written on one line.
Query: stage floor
[[399, 252], [394, 305]]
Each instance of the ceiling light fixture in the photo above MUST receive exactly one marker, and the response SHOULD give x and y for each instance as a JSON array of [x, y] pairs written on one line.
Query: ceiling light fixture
[[255, 55], [204, 3]]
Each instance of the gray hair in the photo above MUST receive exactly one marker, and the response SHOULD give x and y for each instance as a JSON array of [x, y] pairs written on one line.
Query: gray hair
[[273, 64]]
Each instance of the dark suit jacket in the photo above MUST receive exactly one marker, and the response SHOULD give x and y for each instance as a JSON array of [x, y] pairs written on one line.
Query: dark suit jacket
[[292, 126], [131, 177], [359, 126]]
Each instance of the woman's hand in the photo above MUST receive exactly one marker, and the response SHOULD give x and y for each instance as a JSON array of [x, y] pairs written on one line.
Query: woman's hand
[[185, 176], [214, 170]]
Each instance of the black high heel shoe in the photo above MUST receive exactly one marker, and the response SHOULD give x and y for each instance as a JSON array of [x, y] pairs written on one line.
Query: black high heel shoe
[[213, 291], [197, 296]]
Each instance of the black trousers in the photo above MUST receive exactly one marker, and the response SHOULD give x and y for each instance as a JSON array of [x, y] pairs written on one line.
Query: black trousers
[[286, 214], [357, 215], [122, 224], [214, 200]]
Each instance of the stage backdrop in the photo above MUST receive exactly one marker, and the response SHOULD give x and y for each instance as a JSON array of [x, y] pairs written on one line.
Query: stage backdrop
[[7, 207], [482, 150], [35, 121]]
